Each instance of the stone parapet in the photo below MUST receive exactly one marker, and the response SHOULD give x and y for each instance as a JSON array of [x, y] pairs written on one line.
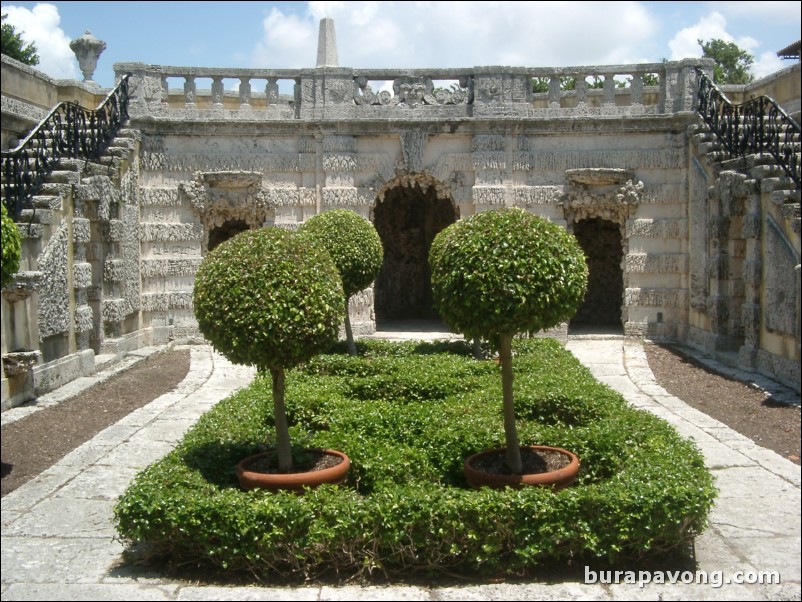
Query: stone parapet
[[336, 93]]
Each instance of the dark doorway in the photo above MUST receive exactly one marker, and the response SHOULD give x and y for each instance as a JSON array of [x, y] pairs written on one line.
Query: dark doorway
[[407, 221], [601, 241], [228, 230]]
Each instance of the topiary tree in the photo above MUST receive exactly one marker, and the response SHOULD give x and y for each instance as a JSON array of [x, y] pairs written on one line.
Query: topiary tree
[[272, 299], [499, 273], [356, 249], [12, 248]]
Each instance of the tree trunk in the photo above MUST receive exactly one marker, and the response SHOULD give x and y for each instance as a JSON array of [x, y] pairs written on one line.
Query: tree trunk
[[510, 431], [283, 447], [349, 334], [476, 348]]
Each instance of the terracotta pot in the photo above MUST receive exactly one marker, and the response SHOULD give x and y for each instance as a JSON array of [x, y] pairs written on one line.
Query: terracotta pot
[[557, 479], [293, 481]]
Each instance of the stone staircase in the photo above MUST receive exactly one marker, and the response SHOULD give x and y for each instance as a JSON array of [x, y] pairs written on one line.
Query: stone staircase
[[72, 239], [763, 168]]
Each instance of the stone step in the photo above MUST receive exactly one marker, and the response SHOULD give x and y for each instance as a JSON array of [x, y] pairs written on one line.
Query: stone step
[[117, 151], [788, 195], [55, 188], [36, 216], [71, 164], [129, 133], [104, 360], [63, 177], [30, 230], [46, 201], [123, 142]]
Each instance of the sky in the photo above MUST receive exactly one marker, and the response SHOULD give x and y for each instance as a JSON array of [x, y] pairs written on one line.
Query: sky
[[282, 35]]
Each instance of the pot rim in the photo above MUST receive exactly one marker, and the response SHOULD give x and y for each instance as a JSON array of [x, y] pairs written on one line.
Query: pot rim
[[566, 472], [293, 480]]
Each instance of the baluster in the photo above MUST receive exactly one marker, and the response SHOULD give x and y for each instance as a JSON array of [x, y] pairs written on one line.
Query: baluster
[[245, 92], [581, 89], [190, 89], [554, 91], [636, 89], [217, 92], [271, 91], [609, 89]]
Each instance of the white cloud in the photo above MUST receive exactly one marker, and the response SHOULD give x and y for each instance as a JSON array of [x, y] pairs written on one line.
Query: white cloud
[[462, 34], [768, 63], [286, 43], [40, 25], [765, 10], [685, 44]]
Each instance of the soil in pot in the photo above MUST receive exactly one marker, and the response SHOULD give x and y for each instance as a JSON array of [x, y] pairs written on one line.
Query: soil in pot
[[312, 467], [542, 465]]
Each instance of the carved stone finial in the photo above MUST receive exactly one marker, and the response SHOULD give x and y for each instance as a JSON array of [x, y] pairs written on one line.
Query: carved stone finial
[[327, 44], [87, 50]]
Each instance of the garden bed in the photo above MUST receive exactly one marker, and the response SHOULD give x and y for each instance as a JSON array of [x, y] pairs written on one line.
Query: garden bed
[[407, 415]]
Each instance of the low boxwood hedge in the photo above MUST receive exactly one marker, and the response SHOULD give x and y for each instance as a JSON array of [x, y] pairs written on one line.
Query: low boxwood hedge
[[407, 415]]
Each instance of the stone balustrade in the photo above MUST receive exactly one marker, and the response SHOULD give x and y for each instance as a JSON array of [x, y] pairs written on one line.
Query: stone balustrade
[[343, 93]]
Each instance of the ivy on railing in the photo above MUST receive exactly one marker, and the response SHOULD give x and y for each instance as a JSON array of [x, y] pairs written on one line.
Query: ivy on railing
[[757, 126], [69, 131]]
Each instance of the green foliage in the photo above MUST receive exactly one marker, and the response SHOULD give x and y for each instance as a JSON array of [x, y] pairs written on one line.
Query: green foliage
[[352, 242], [406, 508], [268, 298], [542, 84], [504, 272], [15, 47], [732, 62], [650, 79], [11, 250]]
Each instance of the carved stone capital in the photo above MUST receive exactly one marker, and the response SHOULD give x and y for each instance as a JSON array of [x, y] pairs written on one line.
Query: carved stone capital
[[610, 194]]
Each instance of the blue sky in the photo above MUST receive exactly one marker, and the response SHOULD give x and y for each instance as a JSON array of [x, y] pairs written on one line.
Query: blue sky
[[401, 34]]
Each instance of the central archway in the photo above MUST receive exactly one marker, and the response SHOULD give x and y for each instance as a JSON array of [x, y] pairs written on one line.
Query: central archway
[[407, 216]]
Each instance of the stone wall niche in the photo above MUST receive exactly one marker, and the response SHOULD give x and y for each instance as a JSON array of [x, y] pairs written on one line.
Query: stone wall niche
[[597, 202], [227, 203]]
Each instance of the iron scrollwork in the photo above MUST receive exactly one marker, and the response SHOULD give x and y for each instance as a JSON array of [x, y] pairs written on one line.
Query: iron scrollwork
[[757, 126], [69, 131]]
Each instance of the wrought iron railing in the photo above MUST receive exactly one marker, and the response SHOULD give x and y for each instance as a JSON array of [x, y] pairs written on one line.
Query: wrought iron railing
[[757, 126], [69, 131]]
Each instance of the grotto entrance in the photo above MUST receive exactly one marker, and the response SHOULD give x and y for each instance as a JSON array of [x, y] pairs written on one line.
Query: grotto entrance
[[408, 217], [601, 241], [229, 229]]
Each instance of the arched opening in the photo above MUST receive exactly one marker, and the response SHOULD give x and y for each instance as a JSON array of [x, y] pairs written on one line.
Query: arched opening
[[407, 220], [601, 241], [229, 229]]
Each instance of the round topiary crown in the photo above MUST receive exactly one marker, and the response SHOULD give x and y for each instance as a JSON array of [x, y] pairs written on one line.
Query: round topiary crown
[[506, 271], [268, 298], [353, 244]]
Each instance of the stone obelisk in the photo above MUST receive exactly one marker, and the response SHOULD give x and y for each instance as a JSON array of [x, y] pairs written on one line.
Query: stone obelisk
[[327, 44]]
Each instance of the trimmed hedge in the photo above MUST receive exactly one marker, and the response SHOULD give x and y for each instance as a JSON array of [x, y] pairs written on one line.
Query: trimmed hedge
[[407, 415], [11, 247]]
